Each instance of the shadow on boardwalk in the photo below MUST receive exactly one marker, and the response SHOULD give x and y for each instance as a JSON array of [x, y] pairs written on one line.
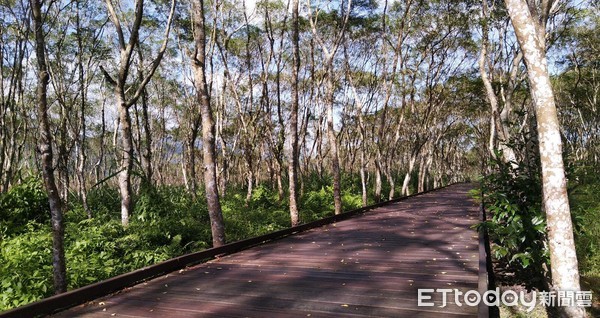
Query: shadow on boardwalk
[[371, 265]]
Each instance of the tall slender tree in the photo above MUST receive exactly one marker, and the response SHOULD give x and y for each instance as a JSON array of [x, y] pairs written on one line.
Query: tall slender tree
[[293, 152], [124, 102], [208, 125], [529, 21], [499, 132], [59, 274], [329, 52]]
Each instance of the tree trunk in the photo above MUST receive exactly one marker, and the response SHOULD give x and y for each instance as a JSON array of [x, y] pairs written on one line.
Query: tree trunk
[[363, 177], [279, 179], [333, 147], [498, 132], [329, 54], [146, 150], [120, 84], [293, 152], [421, 183], [378, 185], [82, 158], [250, 184], [407, 177], [190, 160], [563, 259], [208, 127], [126, 157], [45, 147], [63, 154], [390, 177]]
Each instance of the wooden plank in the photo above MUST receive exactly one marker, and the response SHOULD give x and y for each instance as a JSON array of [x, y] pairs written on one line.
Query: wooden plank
[[90, 292], [369, 266]]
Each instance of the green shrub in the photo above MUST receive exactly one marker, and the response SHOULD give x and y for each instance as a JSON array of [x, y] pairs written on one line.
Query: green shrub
[[317, 204], [25, 267], [516, 224], [104, 201], [585, 209], [22, 204], [91, 251], [351, 201], [166, 222], [263, 197]]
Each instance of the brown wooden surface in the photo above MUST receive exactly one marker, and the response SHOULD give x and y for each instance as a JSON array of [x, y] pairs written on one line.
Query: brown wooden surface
[[369, 266]]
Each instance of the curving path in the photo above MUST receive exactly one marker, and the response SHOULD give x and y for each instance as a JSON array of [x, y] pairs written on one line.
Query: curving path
[[367, 266]]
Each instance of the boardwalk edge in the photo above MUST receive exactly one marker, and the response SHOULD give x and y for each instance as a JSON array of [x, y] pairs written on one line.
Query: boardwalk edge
[[57, 303], [486, 279]]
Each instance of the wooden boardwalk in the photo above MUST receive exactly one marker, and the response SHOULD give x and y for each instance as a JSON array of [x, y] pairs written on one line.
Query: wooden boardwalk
[[367, 266]]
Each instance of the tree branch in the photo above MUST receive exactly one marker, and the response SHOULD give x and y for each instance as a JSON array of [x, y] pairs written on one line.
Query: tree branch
[[156, 61]]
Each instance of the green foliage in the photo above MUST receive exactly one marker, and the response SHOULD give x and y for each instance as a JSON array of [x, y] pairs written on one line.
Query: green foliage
[[104, 201], [512, 197], [23, 203], [351, 201], [316, 204], [91, 251], [25, 267], [263, 197], [585, 209], [263, 214], [167, 222]]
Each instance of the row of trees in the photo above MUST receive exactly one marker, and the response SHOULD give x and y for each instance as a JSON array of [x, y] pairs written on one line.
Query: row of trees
[[517, 130], [123, 90], [405, 96]]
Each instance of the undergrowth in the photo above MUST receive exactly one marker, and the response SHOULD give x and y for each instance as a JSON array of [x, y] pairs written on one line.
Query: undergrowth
[[166, 222]]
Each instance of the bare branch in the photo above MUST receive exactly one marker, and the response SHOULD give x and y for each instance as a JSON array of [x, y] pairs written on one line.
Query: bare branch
[[157, 60]]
